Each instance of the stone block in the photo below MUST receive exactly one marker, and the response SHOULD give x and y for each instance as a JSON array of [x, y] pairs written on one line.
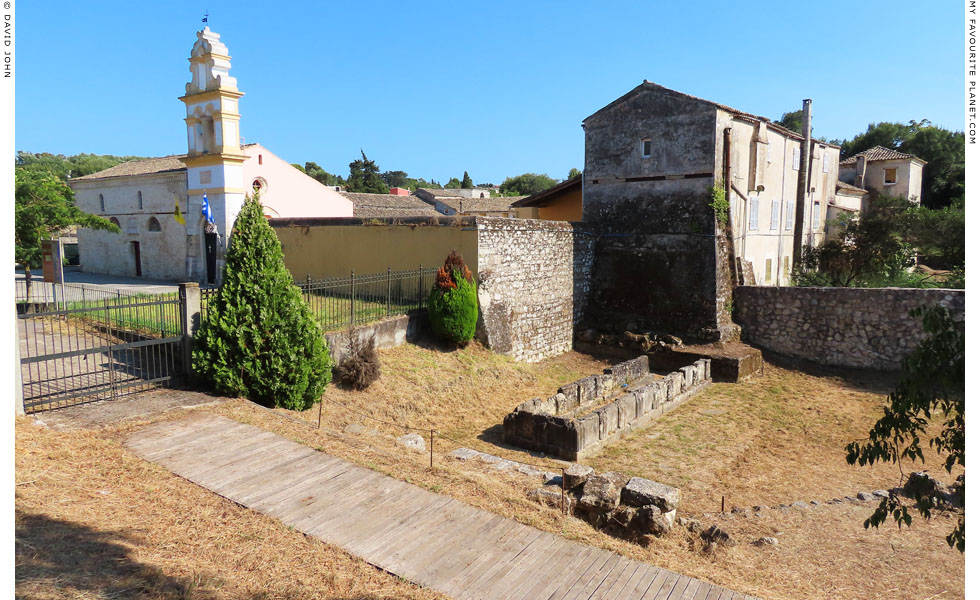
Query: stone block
[[576, 475], [600, 493], [570, 390], [605, 385], [659, 393], [706, 362], [651, 520], [412, 441], [698, 371], [587, 430], [562, 403], [627, 409], [637, 367], [643, 492], [647, 396], [688, 377], [673, 382], [587, 390], [608, 420]]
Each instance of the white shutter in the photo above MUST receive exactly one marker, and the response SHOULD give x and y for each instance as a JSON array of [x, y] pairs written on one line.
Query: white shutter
[[753, 212], [796, 159], [816, 215], [790, 215], [774, 215], [826, 162]]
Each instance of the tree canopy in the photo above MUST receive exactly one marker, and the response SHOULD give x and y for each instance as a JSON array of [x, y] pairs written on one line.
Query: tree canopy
[[944, 176], [365, 177], [316, 172], [573, 173], [63, 167], [526, 184], [931, 387], [467, 182], [792, 121], [44, 206]]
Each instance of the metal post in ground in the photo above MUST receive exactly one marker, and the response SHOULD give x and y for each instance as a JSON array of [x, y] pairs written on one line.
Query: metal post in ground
[[563, 490], [319, 416], [388, 296], [421, 303], [432, 439]]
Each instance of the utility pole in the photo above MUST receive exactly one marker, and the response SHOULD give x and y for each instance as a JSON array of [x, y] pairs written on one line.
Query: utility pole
[[802, 186]]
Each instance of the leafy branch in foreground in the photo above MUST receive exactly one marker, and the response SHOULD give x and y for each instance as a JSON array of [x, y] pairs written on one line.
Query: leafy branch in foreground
[[932, 385]]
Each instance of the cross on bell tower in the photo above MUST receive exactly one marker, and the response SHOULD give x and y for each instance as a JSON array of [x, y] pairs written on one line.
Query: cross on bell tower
[[214, 156]]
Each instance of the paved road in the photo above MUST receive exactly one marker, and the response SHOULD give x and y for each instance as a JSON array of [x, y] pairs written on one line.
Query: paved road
[[432, 540]]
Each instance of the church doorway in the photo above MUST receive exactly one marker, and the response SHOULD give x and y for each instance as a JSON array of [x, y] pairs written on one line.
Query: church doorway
[[136, 255], [211, 254]]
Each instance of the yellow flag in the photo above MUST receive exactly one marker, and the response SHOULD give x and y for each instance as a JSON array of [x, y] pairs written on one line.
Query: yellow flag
[[177, 216]]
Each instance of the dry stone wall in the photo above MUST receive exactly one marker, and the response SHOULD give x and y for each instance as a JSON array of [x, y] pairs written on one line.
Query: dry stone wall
[[528, 271], [849, 327], [557, 425]]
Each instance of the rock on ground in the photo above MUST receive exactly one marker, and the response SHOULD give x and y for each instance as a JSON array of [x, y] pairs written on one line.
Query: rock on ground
[[412, 441], [641, 492]]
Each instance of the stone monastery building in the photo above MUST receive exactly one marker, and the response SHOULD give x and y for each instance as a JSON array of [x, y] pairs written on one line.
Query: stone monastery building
[[144, 197]]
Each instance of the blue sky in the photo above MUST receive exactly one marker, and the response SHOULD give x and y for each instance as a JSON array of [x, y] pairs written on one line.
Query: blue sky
[[496, 88]]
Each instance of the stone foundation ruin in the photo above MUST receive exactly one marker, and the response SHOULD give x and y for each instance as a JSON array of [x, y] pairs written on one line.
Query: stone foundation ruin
[[587, 414]]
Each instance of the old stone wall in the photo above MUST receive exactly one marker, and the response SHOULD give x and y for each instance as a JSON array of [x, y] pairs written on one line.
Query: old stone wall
[[528, 270], [560, 427], [849, 327]]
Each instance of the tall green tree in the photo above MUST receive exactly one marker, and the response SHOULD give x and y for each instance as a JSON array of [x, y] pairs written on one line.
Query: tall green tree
[[931, 388], [792, 121], [365, 177], [44, 206], [259, 339], [573, 173], [395, 178], [467, 183], [526, 184]]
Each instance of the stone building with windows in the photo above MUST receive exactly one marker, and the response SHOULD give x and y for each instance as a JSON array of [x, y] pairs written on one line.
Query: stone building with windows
[[148, 198], [885, 170], [652, 159]]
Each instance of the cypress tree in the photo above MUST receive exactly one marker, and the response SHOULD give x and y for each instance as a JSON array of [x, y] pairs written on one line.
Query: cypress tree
[[258, 338]]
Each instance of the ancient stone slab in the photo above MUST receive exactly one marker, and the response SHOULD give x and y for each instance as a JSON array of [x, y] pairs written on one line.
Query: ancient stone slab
[[412, 441], [576, 475], [627, 409], [600, 493], [587, 429], [464, 454], [865, 496], [688, 378], [643, 492], [637, 367], [587, 390], [608, 420]]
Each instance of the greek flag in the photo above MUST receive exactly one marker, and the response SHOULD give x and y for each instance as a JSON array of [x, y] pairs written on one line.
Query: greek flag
[[206, 209]]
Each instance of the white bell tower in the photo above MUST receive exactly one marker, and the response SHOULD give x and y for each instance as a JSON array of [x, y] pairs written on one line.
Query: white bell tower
[[214, 154]]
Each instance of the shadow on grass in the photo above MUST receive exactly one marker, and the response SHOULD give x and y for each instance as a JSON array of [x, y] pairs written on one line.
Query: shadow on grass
[[53, 556], [861, 380]]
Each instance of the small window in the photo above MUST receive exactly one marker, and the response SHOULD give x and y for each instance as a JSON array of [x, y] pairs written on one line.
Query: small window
[[826, 162], [153, 224], [260, 159], [816, 215], [139, 200], [786, 267], [790, 215], [796, 159], [891, 176], [101, 203], [259, 185], [768, 270], [647, 148], [114, 221], [753, 213], [774, 215]]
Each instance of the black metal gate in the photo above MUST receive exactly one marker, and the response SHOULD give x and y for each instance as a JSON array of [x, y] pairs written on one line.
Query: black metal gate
[[81, 345]]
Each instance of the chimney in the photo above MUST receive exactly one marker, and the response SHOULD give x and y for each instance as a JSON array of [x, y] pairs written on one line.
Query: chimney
[[859, 170], [802, 185]]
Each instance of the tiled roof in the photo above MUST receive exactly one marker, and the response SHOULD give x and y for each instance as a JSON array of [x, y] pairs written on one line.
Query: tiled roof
[[471, 205], [544, 196], [849, 189], [389, 205], [879, 153], [147, 166]]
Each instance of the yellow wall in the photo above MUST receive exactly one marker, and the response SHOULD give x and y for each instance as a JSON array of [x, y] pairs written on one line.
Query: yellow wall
[[566, 207], [333, 250]]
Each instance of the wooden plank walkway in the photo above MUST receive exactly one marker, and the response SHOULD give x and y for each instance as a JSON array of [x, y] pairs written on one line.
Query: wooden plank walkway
[[431, 540]]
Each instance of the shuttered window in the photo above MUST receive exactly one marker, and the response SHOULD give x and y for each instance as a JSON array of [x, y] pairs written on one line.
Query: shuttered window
[[774, 215], [796, 159], [790, 214], [754, 213]]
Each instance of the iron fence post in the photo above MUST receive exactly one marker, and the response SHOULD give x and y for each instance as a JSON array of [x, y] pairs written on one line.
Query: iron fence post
[[352, 297], [388, 296], [420, 286]]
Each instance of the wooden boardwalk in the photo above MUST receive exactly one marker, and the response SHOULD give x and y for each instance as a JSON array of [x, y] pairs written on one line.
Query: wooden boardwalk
[[432, 540]]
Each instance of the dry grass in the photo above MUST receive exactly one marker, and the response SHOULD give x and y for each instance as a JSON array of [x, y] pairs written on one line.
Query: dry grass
[[94, 521], [776, 439]]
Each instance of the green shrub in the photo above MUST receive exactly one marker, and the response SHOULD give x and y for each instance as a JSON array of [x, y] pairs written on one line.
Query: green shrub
[[258, 339], [453, 308]]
